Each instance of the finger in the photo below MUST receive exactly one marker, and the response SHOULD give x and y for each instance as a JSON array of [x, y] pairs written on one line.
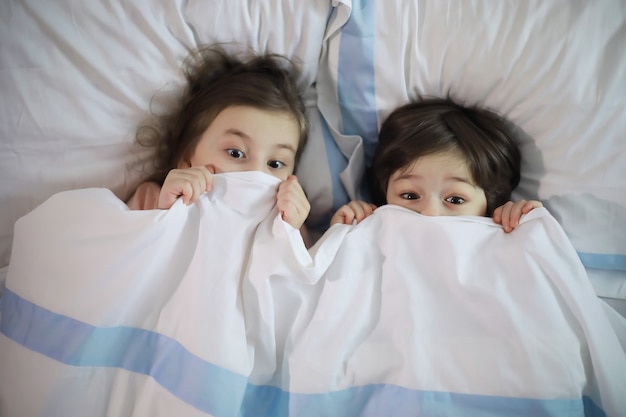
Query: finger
[[195, 180], [506, 216], [188, 190], [192, 185], [291, 186], [338, 217], [365, 209], [285, 186], [294, 217], [347, 215], [369, 208], [293, 210], [166, 199], [290, 191], [207, 175], [173, 187], [497, 215], [199, 188], [516, 213], [358, 210], [530, 205]]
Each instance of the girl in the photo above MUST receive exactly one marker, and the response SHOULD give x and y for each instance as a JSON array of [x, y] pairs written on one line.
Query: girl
[[236, 114], [438, 158]]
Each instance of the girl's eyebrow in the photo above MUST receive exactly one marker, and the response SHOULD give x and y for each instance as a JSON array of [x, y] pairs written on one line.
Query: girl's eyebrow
[[286, 146], [248, 138], [237, 132]]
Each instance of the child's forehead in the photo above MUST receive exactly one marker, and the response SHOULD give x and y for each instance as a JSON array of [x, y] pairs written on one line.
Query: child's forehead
[[451, 165], [262, 127], [448, 158]]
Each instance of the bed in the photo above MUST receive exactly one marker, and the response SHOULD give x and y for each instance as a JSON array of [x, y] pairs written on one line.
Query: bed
[[107, 312]]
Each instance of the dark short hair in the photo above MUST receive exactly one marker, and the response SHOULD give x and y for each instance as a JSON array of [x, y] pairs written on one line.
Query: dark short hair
[[433, 125], [217, 79]]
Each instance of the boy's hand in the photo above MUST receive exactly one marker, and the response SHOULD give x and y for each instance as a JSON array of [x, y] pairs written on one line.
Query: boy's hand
[[188, 183], [509, 214], [292, 203], [354, 210]]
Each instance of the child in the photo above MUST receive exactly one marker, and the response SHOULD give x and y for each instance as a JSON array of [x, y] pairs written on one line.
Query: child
[[235, 115], [438, 158]]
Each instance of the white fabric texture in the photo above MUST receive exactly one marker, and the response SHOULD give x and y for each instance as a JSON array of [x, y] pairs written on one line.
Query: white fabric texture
[[218, 309], [181, 273], [455, 304]]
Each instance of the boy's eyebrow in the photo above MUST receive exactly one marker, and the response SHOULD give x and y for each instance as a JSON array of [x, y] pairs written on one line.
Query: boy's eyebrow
[[246, 137], [463, 179], [411, 176]]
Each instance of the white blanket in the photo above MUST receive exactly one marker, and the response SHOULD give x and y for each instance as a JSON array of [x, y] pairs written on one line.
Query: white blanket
[[218, 309]]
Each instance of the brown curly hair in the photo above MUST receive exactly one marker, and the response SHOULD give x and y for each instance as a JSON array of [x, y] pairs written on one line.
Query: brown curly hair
[[217, 79]]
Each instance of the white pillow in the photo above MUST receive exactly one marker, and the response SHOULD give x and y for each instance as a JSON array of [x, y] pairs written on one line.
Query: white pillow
[[293, 28], [555, 68]]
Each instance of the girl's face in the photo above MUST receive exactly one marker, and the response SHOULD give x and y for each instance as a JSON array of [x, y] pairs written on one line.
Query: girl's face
[[243, 138], [437, 185]]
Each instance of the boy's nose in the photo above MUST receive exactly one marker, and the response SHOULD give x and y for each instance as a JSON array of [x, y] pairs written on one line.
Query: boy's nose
[[430, 208]]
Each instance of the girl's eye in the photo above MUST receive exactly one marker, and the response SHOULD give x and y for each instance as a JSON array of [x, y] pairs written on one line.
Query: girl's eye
[[236, 153], [275, 164], [409, 196], [455, 200]]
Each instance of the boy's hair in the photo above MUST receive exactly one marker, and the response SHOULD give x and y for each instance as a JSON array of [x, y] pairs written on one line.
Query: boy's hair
[[217, 80], [435, 125]]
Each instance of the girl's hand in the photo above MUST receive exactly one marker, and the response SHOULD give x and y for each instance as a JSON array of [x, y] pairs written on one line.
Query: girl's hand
[[188, 183], [292, 203], [354, 210], [509, 214]]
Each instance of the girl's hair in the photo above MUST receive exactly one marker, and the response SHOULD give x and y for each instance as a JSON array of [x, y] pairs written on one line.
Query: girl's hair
[[435, 125], [217, 80]]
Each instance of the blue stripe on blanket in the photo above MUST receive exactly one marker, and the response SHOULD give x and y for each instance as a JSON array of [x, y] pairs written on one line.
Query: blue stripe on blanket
[[356, 87], [389, 400], [205, 386], [221, 392], [603, 261]]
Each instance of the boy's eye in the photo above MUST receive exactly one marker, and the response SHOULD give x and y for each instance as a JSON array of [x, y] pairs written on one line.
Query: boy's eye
[[409, 196], [455, 200], [236, 153], [275, 164]]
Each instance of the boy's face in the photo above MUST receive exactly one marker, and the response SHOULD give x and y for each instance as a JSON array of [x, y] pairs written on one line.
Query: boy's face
[[437, 185], [243, 138]]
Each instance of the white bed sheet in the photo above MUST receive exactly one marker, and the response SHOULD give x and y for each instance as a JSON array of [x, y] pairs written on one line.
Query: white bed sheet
[[218, 309]]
